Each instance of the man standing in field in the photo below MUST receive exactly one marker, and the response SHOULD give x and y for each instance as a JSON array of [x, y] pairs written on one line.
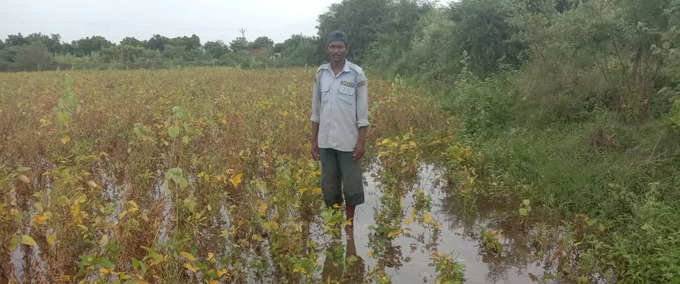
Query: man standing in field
[[339, 126]]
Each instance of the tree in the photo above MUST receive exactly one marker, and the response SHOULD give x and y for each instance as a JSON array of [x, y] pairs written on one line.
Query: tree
[[239, 44], [215, 48], [52, 42], [262, 42], [157, 42], [360, 19], [7, 56], [397, 32], [88, 45], [33, 56], [298, 50], [482, 29], [173, 51], [15, 40], [189, 43], [131, 41], [431, 55]]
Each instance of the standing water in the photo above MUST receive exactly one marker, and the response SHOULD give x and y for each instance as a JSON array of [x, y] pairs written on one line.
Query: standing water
[[458, 236]]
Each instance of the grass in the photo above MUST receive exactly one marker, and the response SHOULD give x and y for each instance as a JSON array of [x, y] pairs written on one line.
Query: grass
[[611, 180]]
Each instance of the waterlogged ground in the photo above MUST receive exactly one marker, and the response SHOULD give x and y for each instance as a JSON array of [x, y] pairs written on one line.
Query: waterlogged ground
[[458, 236], [203, 175]]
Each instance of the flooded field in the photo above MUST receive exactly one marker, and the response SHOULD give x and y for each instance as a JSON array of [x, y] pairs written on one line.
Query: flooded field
[[459, 236], [199, 176]]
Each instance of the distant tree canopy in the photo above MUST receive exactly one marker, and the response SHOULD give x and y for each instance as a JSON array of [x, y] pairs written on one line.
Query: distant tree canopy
[[131, 41], [88, 45], [298, 50], [216, 49], [239, 44], [262, 42], [362, 20]]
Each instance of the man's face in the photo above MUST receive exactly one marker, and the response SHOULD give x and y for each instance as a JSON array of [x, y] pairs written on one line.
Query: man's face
[[337, 51]]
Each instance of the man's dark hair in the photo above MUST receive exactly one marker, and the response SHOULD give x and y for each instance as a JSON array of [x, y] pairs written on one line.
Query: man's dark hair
[[337, 35]]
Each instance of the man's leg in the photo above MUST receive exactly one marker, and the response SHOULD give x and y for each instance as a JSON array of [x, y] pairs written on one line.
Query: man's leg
[[330, 177], [352, 185]]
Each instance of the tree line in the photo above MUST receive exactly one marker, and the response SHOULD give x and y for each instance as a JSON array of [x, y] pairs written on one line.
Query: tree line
[[36, 51], [405, 37]]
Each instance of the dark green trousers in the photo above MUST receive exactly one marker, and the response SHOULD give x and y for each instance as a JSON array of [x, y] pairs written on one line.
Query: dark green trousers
[[340, 175]]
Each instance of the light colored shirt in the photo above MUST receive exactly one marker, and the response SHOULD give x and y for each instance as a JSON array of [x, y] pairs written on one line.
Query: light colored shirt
[[340, 106]]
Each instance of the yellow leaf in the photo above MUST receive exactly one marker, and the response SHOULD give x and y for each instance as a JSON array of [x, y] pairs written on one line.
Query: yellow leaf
[[81, 199], [65, 139], [213, 281], [394, 233], [41, 219], [51, 239], [27, 240], [256, 237], [65, 277], [428, 218], [104, 271], [236, 179], [317, 190], [370, 254], [191, 267], [187, 256], [210, 256], [271, 225], [221, 272]]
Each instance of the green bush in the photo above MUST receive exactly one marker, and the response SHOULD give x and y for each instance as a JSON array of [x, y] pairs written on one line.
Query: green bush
[[485, 106]]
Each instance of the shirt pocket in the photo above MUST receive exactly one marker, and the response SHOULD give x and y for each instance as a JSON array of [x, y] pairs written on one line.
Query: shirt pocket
[[347, 95], [325, 93]]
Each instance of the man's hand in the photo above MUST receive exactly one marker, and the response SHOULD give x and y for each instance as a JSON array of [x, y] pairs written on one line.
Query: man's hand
[[359, 147], [315, 151], [315, 141], [358, 151]]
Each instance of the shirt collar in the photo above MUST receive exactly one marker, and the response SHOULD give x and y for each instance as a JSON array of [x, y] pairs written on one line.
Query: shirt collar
[[345, 68]]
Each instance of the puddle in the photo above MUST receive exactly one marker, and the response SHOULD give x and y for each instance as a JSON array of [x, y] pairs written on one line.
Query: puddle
[[456, 240]]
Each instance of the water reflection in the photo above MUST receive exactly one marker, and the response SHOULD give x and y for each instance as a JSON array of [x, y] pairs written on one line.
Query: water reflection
[[407, 258], [343, 268]]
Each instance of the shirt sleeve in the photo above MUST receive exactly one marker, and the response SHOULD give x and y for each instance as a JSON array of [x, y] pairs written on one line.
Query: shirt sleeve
[[316, 100], [362, 101]]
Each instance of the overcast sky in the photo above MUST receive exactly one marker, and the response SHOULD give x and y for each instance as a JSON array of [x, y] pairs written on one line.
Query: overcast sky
[[209, 19]]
